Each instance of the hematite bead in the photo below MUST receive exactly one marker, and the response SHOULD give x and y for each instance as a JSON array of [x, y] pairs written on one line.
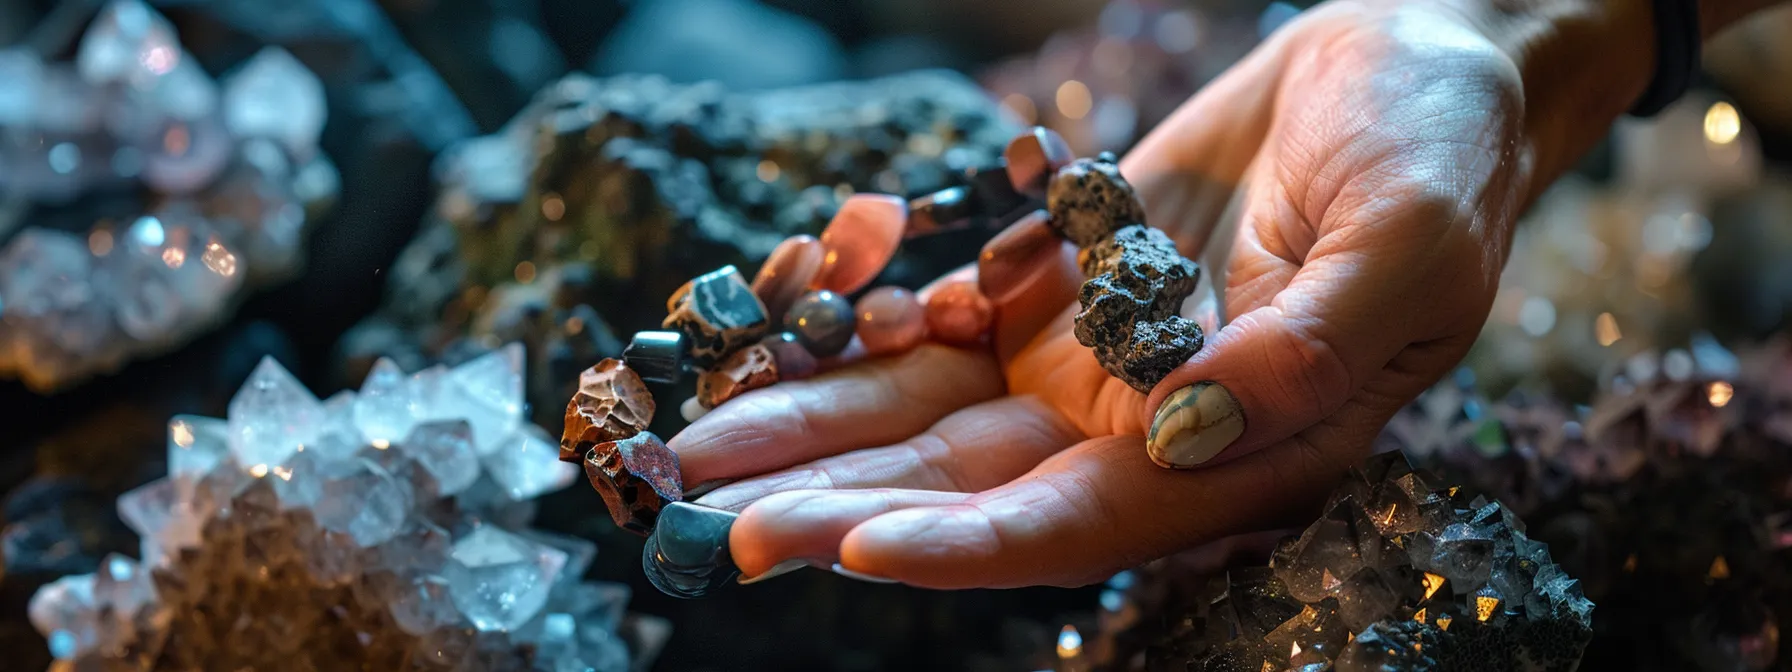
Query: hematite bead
[[822, 321], [993, 194], [657, 356], [938, 211], [718, 314], [687, 555], [637, 477]]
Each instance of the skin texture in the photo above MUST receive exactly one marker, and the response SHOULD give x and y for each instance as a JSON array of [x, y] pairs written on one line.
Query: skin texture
[[1351, 185]]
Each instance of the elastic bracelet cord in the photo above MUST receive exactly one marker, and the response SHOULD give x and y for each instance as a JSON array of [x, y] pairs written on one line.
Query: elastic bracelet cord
[[1676, 55]]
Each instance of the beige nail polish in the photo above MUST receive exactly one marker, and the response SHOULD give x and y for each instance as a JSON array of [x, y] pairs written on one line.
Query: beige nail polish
[[776, 571], [1194, 424]]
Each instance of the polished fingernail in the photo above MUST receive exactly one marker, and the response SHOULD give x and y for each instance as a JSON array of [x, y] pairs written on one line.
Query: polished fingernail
[[860, 575], [1194, 424], [776, 571], [1015, 256]]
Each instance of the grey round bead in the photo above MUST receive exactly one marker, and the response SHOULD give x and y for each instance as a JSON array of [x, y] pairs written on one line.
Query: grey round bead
[[822, 321]]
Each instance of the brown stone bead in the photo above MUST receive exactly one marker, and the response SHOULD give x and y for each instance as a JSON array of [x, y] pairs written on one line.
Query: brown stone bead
[[718, 314], [750, 369], [1034, 156], [637, 477], [612, 404], [787, 272], [958, 314]]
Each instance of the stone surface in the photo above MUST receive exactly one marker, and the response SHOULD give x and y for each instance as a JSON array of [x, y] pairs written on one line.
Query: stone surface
[[1399, 574], [794, 361], [718, 314], [687, 555], [1089, 200], [1136, 279], [1010, 261], [822, 321], [750, 369], [890, 321], [657, 356], [859, 241], [787, 273], [939, 211], [958, 314], [1033, 157], [340, 559], [612, 404], [637, 477]]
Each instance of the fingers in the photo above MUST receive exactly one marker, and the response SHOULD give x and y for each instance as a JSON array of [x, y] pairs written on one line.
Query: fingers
[[871, 404], [1088, 512], [808, 524], [973, 449]]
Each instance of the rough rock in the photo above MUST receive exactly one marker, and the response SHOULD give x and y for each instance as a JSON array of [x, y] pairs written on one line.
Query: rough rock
[[1089, 200], [718, 314], [637, 477], [612, 404], [750, 369]]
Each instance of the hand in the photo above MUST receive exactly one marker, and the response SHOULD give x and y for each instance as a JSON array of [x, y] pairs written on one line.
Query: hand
[[1366, 163]]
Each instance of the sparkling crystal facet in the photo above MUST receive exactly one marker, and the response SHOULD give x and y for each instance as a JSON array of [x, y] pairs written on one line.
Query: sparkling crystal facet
[[500, 580]]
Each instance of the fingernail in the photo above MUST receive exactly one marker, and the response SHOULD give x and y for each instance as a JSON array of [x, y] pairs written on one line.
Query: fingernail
[[1016, 256], [776, 571], [860, 576], [1194, 424]]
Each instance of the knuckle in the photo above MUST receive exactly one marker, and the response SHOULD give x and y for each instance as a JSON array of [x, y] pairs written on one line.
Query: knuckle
[[1308, 367]]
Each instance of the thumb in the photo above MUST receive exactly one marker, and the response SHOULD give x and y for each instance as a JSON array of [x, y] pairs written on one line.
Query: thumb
[[1332, 332]]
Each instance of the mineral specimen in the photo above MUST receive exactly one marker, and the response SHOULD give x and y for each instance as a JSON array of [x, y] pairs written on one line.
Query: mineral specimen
[[658, 356], [957, 313], [859, 241], [637, 477], [822, 321], [718, 314], [1089, 200], [1136, 278], [649, 183], [1396, 575], [687, 555], [750, 369], [349, 553], [231, 189], [612, 404]]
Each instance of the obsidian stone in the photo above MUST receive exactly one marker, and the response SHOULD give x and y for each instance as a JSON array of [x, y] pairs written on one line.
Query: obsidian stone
[[657, 356], [1088, 200], [939, 211], [822, 321], [687, 555], [718, 314], [993, 194]]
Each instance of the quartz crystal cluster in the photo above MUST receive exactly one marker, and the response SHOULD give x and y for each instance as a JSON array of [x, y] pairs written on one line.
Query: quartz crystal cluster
[[1398, 574], [228, 174], [378, 529], [630, 186]]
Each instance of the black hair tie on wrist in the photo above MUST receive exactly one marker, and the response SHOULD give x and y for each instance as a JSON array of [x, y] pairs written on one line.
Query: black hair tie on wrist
[[1676, 55]]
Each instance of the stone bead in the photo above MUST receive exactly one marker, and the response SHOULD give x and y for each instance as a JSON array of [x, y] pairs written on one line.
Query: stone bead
[[787, 273], [860, 240], [718, 314], [958, 314], [687, 555], [749, 369], [939, 211], [891, 321], [1144, 262], [612, 404], [1154, 350], [822, 321], [1130, 306], [658, 356], [992, 192], [1033, 157], [1011, 260], [637, 477], [1088, 200], [795, 362]]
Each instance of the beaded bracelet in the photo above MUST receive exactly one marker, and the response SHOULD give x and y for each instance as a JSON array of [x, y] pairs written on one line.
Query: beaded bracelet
[[719, 326]]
